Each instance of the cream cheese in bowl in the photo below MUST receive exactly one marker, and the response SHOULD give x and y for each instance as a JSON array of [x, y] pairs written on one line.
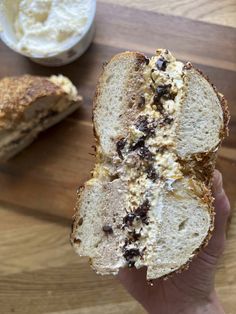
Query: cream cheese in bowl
[[51, 32]]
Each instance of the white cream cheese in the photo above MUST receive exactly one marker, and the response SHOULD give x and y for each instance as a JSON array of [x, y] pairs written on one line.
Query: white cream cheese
[[45, 26], [66, 84]]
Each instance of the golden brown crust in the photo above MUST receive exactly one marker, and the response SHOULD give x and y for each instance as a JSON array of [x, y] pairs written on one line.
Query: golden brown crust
[[18, 93], [76, 216], [200, 165], [226, 114]]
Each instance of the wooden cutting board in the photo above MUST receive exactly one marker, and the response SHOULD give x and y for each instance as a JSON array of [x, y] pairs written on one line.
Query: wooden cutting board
[[39, 272]]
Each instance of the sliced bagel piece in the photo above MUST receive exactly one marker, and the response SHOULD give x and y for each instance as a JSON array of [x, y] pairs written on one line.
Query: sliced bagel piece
[[158, 124], [29, 105]]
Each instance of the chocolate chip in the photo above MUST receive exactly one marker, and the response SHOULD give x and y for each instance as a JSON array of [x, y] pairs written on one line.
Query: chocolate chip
[[161, 64], [107, 229], [128, 219], [145, 126], [141, 102], [166, 120], [163, 90], [140, 143], [129, 254], [126, 243], [141, 211], [142, 123], [77, 241], [143, 208], [151, 173], [144, 153], [80, 222], [158, 104], [119, 146]]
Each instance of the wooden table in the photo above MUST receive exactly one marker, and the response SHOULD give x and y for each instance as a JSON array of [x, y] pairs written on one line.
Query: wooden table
[[39, 272]]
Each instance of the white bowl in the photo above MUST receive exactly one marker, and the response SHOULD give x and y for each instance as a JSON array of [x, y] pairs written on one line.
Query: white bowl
[[67, 53]]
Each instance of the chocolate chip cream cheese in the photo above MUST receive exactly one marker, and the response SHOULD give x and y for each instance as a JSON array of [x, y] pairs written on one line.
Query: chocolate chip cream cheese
[[146, 158], [44, 26]]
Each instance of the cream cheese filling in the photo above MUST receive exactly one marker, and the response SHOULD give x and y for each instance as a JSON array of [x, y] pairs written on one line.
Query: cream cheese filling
[[149, 161]]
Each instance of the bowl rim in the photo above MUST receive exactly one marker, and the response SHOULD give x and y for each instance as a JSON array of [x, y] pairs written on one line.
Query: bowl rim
[[65, 48]]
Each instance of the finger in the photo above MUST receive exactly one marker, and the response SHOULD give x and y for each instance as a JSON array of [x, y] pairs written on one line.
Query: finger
[[134, 281], [222, 211], [129, 276], [221, 203]]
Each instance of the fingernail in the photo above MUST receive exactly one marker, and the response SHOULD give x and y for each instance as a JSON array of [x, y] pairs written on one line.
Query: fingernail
[[217, 182]]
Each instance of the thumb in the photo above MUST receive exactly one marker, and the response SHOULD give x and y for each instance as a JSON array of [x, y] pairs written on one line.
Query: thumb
[[222, 210]]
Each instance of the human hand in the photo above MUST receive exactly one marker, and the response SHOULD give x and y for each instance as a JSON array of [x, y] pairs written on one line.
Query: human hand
[[191, 291]]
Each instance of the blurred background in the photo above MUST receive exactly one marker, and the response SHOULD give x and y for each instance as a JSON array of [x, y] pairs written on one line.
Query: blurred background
[[39, 271]]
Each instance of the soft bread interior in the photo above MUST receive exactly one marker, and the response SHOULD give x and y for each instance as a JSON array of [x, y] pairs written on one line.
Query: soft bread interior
[[181, 222], [201, 117], [115, 95], [144, 207], [103, 249], [178, 225]]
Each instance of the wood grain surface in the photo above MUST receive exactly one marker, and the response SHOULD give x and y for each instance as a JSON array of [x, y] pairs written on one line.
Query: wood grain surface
[[39, 272], [211, 11]]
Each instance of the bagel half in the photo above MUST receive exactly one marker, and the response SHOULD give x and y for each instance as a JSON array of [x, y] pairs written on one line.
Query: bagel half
[[158, 124]]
